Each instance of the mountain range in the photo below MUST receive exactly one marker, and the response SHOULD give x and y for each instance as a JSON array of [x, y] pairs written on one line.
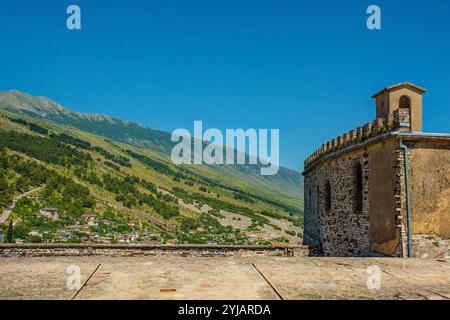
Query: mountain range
[[287, 182]]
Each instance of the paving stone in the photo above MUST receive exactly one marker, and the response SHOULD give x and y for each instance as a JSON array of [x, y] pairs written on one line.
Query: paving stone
[[222, 277]]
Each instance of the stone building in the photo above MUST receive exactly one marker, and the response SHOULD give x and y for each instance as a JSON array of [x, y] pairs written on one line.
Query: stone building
[[383, 188], [51, 213]]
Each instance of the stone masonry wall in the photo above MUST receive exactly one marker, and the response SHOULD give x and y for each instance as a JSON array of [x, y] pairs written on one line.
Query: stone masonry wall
[[15, 250], [342, 230], [381, 226]]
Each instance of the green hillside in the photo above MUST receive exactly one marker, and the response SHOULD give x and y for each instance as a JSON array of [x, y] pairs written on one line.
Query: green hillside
[[112, 181], [286, 183]]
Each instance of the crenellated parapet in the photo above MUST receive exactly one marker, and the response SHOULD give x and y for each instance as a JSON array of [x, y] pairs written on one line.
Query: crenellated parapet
[[399, 120]]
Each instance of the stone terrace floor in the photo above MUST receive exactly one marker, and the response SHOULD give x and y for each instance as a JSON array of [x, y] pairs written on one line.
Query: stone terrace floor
[[257, 277]]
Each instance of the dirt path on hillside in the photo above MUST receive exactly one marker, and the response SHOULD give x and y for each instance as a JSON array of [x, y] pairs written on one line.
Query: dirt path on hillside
[[7, 212]]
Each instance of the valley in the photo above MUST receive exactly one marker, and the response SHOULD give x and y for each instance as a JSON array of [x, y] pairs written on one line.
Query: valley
[[97, 179]]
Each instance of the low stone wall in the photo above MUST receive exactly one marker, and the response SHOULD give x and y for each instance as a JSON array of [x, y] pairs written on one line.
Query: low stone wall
[[14, 250], [422, 249], [431, 249]]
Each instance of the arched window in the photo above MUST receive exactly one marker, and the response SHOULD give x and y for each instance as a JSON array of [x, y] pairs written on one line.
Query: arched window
[[405, 106], [318, 200], [328, 196], [309, 201], [405, 102], [358, 188]]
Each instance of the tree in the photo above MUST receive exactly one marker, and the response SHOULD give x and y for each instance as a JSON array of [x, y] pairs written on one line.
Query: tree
[[34, 239], [10, 234], [3, 185]]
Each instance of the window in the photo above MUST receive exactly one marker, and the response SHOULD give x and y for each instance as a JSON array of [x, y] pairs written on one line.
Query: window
[[318, 200], [328, 196], [358, 187], [405, 102], [405, 106], [309, 201]]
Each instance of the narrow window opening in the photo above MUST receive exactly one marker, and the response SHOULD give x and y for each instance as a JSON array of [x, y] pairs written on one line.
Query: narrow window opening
[[309, 201], [359, 187], [405, 107], [328, 196], [318, 200]]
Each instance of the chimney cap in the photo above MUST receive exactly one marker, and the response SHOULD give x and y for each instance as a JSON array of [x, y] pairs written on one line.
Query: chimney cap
[[395, 86]]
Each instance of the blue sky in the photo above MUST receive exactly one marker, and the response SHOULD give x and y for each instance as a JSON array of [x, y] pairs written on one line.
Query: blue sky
[[307, 68]]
